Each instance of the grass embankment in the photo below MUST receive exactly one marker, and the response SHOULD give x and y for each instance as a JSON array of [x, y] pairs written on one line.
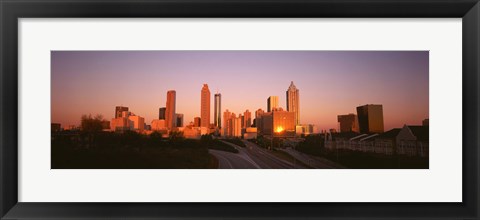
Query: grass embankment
[[218, 145], [235, 141]]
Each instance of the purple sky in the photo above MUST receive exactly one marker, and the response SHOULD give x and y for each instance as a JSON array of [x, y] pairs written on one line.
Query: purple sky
[[330, 83]]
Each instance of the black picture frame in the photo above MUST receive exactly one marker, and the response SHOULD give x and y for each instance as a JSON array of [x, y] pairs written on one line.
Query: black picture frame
[[12, 10]]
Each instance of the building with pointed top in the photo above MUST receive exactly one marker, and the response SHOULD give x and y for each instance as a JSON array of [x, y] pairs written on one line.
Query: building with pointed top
[[293, 102]]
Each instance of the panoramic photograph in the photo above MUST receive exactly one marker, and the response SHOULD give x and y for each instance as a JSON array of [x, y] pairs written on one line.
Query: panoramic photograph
[[240, 109]]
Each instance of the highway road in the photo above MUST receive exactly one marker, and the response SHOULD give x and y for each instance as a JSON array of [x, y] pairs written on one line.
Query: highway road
[[313, 161], [228, 160], [251, 157], [266, 159]]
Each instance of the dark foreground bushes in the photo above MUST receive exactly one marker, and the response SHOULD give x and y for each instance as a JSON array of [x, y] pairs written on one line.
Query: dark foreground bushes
[[131, 150]]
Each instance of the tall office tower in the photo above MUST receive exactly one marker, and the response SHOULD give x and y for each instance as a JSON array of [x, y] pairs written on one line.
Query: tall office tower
[[226, 117], [278, 123], [205, 107], [232, 124], [196, 122], [272, 103], [247, 119], [293, 102], [179, 118], [370, 118], [241, 120], [170, 119], [237, 127], [161, 113], [217, 113], [259, 113], [119, 110], [348, 123]]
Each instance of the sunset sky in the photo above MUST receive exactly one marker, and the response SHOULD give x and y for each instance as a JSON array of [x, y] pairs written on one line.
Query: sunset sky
[[330, 83]]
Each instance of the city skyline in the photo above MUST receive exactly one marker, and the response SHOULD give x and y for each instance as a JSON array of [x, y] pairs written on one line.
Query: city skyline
[[396, 80]]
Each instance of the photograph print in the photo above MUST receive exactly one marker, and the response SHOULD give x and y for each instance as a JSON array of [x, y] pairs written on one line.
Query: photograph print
[[240, 109]]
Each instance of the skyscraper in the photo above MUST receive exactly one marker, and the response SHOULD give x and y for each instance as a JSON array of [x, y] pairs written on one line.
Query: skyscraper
[[161, 113], [217, 114], [258, 115], [196, 122], [170, 119], [272, 103], [247, 119], [119, 110], [226, 119], [370, 118], [242, 121], [348, 123], [278, 123], [232, 123], [179, 118], [205, 107], [293, 102], [237, 127]]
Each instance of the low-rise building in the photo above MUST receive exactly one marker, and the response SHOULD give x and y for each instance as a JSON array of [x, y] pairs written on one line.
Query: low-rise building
[[413, 141], [192, 132], [158, 125], [409, 141], [278, 123], [386, 143], [306, 129], [120, 124], [250, 133], [137, 123], [127, 122]]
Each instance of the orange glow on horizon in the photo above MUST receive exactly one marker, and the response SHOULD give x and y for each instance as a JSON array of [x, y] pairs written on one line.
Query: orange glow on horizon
[[279, 129]]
